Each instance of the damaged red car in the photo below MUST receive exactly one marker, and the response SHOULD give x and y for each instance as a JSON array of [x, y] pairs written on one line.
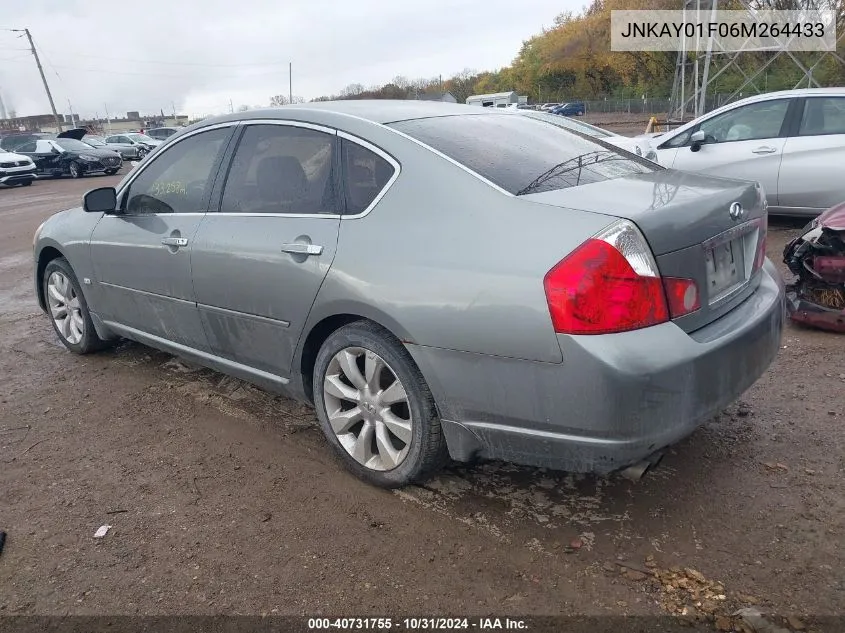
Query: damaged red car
[[817, 297]]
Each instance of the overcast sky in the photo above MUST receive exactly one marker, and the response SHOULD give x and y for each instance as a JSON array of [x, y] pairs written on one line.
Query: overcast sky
[[196, 55]]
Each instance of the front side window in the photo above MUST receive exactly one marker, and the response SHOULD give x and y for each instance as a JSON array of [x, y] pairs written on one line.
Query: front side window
[[365, 174], [755, 121], [522, 155], [282, 169], [823, 115], [179, 179]]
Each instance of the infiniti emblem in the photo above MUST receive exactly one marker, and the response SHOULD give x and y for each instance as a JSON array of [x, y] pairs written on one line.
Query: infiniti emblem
[[736, 211]]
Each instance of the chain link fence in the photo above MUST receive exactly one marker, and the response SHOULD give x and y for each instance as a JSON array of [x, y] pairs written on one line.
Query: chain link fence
[[646, 105]]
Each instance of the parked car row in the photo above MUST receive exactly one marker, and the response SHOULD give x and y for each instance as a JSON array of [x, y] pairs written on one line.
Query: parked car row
[[75, 153], [571, 108]]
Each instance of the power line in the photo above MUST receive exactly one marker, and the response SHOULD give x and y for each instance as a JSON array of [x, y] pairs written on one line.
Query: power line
[[155, 74], [173, 63]]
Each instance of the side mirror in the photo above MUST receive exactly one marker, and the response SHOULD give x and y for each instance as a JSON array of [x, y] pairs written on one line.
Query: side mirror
[[102, 200], [697, 140]]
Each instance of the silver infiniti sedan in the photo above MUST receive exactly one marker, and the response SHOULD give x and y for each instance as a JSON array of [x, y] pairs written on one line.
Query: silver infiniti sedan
[[439, 280]]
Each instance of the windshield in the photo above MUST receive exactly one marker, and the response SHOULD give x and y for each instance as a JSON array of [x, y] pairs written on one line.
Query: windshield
[[141, 138], [523, 155], [72, 145], [569, 124]]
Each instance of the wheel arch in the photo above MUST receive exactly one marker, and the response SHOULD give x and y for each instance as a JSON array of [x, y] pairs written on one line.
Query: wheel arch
[[45, 256], [328, 322]]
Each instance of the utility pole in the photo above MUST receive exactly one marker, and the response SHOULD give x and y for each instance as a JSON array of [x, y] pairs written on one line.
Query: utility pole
[[172, 103], [290, 83], [108, 120], [3, 114], [43, 78], [70, 107], [231, 107]]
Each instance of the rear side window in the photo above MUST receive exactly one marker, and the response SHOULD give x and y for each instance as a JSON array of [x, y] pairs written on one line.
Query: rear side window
[[823, 115], [522, 155], [365, 175]]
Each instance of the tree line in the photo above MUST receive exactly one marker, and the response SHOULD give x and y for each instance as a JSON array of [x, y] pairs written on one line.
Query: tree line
[[572, 59]]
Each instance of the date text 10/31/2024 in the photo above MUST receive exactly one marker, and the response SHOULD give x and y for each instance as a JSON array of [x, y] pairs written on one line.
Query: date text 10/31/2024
[[417, 624]]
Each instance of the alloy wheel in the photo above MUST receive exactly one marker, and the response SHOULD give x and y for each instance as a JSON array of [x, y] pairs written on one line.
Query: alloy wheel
[[368, 408], [65, 309]]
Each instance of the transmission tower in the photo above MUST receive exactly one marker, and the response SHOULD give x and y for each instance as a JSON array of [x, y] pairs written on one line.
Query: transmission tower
[[697, 71]]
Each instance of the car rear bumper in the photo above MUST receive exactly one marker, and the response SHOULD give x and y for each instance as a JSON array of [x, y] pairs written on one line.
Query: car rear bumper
[[615, 399]]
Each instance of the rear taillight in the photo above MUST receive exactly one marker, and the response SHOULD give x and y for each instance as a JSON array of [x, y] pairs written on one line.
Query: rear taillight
[[682, 295], [762, 230], [608, 284]]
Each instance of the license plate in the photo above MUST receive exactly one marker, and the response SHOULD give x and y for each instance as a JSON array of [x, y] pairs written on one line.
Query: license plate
[[725, 268]]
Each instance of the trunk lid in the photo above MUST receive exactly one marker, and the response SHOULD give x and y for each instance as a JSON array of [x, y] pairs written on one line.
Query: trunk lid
[[76, 133], [704, 228]]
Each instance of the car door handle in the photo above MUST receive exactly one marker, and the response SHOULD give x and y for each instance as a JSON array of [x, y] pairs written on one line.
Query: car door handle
[[175, 241], [299, 248], [764, 150]]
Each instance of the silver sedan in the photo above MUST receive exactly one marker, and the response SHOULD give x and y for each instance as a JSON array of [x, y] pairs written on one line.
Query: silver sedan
[[792, 142], [438, 280]]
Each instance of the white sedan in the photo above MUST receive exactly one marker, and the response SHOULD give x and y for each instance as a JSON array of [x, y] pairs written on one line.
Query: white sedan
[[639, 146], [792, 142]]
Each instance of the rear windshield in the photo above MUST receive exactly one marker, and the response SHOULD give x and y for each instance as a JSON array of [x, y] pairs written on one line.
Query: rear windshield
[[522, 155]]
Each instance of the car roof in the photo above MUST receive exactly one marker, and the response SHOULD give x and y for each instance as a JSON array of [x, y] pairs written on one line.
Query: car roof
[[786, 94], [380, 111]]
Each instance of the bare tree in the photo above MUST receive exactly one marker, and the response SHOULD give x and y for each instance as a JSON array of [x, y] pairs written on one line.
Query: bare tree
[[462, 84], [352, 90], [278, 100]]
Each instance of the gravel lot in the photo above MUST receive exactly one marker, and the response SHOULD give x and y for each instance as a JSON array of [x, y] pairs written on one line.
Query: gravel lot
[[224, 499]]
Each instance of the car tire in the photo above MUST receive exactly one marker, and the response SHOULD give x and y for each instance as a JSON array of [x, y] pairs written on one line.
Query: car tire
[[141, 154], [26, 184], [394, 438], [111, 172], [74, 170], [67, 308]]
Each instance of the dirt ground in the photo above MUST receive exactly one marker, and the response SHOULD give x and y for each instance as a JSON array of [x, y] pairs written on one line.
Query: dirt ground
[[224, 499]]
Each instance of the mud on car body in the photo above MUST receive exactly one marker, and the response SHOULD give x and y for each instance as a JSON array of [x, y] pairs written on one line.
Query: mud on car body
[[817, 257]]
